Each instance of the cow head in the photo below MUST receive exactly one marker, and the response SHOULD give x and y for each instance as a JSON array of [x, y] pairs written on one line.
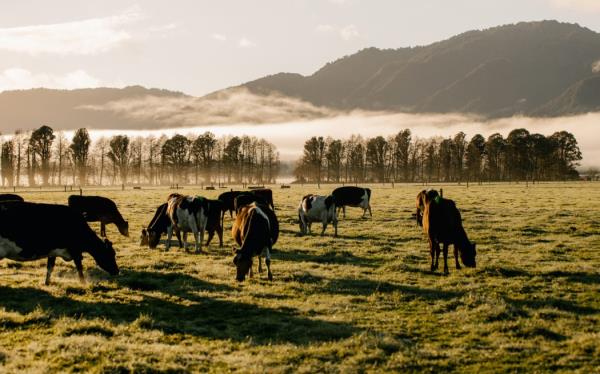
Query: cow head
[[106, 259], [242, 263], [124, 228], [467, 255], [144, 238], [153, 238]]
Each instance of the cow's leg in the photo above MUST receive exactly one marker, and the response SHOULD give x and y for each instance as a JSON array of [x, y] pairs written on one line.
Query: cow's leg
[[260, 264], [178, 235], [437, 255], [369, 207], [220, 233], [49, 268], [79, 267], [102, 229], [309, 227], [456, 257], [197, 246], [211, 233], [169, 236], [185, 243], [268, 262], [446, 258], [344, 210], [432, 254], [324, 221]]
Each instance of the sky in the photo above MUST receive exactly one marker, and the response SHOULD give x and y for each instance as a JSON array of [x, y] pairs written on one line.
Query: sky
[[198, 46]]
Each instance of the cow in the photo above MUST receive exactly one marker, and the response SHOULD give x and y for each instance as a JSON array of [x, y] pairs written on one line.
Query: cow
[[315, 208], [213, 223], [188, 214], [422, 198], [98, 208], [354, 197], [255, 230], [59, 231], [442, 223], [10, 197], [228, 199], [158, 226], [247, 198], [265, 194]]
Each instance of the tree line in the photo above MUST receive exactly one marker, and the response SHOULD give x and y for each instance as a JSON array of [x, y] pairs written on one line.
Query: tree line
[[44, 157], [521, 156]]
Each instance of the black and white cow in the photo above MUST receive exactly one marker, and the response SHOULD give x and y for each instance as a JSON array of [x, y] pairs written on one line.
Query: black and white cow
[[256, 230], [354, 197], [314, 208], [59, 231], [188, 214], [157, 227], [98, 208]]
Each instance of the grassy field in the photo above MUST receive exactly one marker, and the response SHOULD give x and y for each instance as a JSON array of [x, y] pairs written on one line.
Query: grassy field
[[364, 302]]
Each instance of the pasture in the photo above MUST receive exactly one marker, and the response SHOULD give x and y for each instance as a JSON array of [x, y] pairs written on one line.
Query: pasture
[[364, 302]]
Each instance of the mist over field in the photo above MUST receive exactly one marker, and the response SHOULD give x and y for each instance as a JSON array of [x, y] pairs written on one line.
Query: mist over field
[[289, 136]]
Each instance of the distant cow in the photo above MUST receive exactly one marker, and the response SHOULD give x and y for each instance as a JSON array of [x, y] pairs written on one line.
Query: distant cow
[[422, 198], [315, 208], [266, 195], [10, 197], [256, 230], [247, 198], [188, 214], [157, 227], [213, 224], [98, 208], [30, 231], [228, 199], [442, 223], [354, 197]]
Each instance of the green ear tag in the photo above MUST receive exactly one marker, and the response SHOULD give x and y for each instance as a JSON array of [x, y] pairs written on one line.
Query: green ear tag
[[437, 199]]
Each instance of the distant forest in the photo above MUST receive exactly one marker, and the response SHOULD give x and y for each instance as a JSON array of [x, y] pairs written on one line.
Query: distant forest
[[44, 158], [401, 158]]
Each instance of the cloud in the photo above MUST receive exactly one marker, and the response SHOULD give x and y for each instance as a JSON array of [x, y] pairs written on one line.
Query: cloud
[[582, 5], [219, 37], [347, 32], [18, 78], [246, 43], [86, 37], [339, 2]]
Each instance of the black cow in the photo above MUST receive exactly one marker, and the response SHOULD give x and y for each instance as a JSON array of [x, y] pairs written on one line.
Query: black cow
[[266, 195], [247, 198], [256, 230], [158, 226], [10, 197], [98, 208], [228, 199], [353, 196], [59, 231], [215, 207]]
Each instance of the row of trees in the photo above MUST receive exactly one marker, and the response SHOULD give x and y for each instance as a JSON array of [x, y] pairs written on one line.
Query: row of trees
[[402, 158], [44, 157]]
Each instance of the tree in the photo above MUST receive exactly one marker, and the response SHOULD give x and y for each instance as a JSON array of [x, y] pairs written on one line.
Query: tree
[[203, 149], [333, 155], [174, 154], [474, 157], [401, 154], [118, 154], [518, 155], [314, 152], [80, 148], [566, 154], [376, 154], [495, 153], [41, 143], [7, 162]]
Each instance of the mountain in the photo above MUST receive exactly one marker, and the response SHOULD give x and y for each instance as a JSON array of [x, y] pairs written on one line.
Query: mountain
[[582, 97], [70, 109], [515, 69]]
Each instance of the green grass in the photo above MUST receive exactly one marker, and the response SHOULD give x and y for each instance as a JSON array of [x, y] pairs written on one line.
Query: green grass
[[363, 302]]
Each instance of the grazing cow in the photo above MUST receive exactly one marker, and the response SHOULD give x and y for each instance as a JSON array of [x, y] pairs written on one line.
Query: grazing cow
[[158, 226], [247, 198], [213, 223], [422, 198], [98, 208], [10, 197], [353, 196], [256, 230], [315, 208], [228, 199], [442, 223], [188, 214], [265, 194], [59, 231]]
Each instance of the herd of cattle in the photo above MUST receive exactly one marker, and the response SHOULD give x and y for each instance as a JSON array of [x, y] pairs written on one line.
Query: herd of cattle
[[63, 231]]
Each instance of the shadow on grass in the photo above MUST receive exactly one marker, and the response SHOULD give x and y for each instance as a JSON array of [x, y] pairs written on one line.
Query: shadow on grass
[[571, 276], [329, 257], [206, 317], [551, 302]]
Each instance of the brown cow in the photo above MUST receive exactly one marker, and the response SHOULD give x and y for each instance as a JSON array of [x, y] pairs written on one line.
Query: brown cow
[[423, 197], [442, 223], [256, 230]]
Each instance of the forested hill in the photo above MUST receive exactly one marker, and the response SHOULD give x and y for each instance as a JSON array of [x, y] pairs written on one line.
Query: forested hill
[[531, 68]]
